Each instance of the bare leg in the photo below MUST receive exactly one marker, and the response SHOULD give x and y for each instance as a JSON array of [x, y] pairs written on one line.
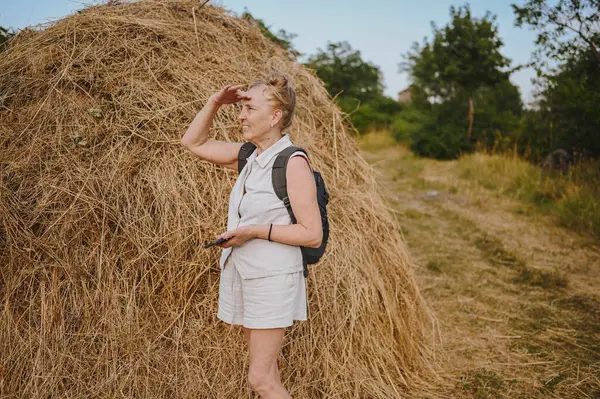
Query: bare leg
[[264, 346], [247, 335]]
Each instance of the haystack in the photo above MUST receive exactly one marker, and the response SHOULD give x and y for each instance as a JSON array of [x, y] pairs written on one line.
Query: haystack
[[105, 288]]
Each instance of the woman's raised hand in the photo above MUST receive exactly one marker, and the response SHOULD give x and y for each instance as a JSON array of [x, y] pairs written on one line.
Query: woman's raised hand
[[230, 94]]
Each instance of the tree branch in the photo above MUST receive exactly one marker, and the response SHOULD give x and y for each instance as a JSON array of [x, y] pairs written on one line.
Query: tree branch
[[591, 42], [579, 33]]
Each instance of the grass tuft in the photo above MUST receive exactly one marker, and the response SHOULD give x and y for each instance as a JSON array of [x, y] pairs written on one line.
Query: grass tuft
[[540, 278], [573, 197], [376, 140], [483, 384], [496, 252], [434, 266]]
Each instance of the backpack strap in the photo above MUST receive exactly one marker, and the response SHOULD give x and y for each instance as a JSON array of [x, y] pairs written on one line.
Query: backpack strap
[[279, 176], [246, 150]]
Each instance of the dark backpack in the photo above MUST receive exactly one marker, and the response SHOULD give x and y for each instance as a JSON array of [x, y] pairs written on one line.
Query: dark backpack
[[309, 255]]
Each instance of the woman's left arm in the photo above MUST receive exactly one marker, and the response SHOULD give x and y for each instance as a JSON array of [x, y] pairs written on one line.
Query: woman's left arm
[[302, 192]]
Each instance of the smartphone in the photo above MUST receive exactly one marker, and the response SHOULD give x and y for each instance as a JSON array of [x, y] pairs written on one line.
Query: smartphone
[[215, 242]]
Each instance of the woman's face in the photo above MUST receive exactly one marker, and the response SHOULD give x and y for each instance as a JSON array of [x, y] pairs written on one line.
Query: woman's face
[[257, 114]]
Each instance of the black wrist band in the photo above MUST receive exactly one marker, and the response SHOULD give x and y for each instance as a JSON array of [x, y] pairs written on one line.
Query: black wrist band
[[269, 236]]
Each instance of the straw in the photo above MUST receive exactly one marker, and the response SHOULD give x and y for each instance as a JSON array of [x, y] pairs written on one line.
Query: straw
[[106, 290]]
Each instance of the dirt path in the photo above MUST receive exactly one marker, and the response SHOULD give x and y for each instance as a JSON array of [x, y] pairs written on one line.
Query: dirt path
[[517, 297]]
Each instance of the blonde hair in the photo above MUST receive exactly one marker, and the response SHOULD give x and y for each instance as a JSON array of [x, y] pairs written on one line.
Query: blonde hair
[[283, 93]]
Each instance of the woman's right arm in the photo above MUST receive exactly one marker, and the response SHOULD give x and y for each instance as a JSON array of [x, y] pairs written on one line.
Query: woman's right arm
[[196, 138]]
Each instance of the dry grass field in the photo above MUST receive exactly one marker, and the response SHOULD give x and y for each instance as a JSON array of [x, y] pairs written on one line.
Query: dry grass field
[[516, 295]]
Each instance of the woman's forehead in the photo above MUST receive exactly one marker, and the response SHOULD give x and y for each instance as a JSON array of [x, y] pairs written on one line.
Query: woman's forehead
[[257, 94]]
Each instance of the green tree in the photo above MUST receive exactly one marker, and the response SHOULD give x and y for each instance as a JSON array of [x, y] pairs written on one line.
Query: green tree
[[408, 123], [375, 114], [437, 129], [356, 85], [564, 29], [568, 110], [499, 111], [461, 58], [345, 73], [281, 37]]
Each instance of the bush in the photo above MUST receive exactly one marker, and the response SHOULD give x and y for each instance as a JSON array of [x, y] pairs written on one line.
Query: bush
[[580, 208], [376, 114], [407, 123], [440, 141]]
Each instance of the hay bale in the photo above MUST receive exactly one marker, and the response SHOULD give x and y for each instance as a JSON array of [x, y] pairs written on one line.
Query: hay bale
[[105, 288]]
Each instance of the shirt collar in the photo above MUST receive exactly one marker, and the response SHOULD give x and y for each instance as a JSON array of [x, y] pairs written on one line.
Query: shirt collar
[[265, 157]]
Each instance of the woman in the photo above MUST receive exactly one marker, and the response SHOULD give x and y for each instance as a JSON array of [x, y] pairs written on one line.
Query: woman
[[262, 287]]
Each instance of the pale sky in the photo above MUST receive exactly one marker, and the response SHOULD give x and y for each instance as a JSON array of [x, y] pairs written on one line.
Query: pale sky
[[383, 30]]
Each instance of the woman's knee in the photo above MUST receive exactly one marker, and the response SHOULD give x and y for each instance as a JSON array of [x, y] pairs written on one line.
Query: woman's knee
[[261, 380]]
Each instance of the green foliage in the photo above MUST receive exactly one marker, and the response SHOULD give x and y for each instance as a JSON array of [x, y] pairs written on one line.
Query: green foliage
[[534, 141], [281, 38], [407, 123], [463, 56], [438, 130], [441, 132], [440, 140], [462, 63], [580, 206], [499, 110], [569, 111], [376, 114], [564, 28], [356, 86], [345, 73]]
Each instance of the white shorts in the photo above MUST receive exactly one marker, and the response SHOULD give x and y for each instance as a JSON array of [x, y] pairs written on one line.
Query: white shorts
[[268, 302]]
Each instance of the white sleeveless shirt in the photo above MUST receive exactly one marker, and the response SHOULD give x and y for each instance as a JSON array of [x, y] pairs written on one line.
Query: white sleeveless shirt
[[259, 205]]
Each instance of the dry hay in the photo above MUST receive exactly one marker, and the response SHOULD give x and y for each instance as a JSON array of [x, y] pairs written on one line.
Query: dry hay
[[105, 288]]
